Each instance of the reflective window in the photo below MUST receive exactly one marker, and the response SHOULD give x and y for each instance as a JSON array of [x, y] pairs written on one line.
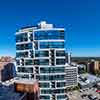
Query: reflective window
[[52, 69], [46, 91], [51, 77], [25, 70], [51, 34], [60, 61], [59, 97], [61, 84], [60, 53], [29, 62], [44, 85], [24, 46], [41, 53], [41, 62], [22, 54], [58, 91], [23, 75], [21, 37], [45, 97], [51, 45]]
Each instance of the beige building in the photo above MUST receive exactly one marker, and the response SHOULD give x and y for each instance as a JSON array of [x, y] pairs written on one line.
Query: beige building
[[94, 66]]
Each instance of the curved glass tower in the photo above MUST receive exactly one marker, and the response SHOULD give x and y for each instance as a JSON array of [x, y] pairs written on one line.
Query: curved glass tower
[[41, 55]]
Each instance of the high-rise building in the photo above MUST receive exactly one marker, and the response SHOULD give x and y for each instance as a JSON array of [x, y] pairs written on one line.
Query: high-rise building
[[40, 54]]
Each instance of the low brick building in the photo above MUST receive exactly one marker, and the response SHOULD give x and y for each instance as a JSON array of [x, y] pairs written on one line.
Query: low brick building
[[30, 87]]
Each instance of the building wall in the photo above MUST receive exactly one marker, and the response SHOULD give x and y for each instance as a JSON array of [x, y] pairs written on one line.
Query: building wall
[[94, 66], [71, 76], [31, 90]]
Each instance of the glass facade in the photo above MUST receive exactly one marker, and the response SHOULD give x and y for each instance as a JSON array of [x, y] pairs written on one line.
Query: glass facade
[[41, 62], [60, 61], [52, 70], [60, 53], [44, 45], [24, 46], [44, 85], [41, 53], [49, 91], [45, 97], [51, 35], [61, 84], [25, 70], [60, 97], [29, 62], [21, 54], [44, 51], [22, 37], [51, 77]]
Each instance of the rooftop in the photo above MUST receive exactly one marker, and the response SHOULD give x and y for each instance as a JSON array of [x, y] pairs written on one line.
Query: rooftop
[[87, 79]]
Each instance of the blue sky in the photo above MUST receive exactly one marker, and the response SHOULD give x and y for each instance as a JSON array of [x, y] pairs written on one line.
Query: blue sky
[[81, 18]]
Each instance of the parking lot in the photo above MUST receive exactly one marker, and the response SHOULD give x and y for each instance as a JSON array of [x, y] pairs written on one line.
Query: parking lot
[[77, 95]]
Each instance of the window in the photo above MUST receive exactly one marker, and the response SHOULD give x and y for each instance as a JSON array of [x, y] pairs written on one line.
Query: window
[[41, 54], [44, 85], [46, 91], [51, 34], [52, 69], [41, 62], [25, 70], [24, 46], [61, 84], [45, 97], [29, 62], [51, 45], [59, 77], [59, 97], [44, 77], [22, 54], [58, 91], [60, 53], [51, 77], [60, 61], [21, 37]]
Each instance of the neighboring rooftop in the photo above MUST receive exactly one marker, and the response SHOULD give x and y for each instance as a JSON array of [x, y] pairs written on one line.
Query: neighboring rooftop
[[84, 59], [87, 79]]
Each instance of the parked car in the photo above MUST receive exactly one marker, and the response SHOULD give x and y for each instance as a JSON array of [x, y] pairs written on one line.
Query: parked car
[[91, 97]]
